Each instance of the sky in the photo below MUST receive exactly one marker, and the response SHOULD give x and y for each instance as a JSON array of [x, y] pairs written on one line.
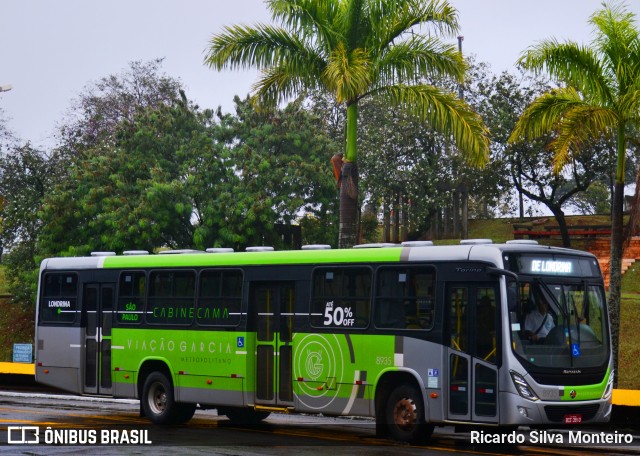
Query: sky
[[51, 50]]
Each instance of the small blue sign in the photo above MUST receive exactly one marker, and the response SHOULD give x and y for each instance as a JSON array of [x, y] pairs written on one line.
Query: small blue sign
[[241, 342], [433, 373], [575, 350], [22, 353]]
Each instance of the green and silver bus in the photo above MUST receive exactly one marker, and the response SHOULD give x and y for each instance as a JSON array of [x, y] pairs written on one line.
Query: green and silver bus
[[415, 335]]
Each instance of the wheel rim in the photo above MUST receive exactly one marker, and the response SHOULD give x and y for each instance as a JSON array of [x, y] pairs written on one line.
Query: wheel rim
[[405, 414], [157, 398]]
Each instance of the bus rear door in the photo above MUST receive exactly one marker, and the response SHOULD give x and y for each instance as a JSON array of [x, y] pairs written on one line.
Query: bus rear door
[[472, 387], [97, 315], [273, 305]]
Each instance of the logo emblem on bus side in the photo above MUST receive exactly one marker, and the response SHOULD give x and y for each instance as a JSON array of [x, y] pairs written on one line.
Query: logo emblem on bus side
[[314, 364], [573, 394]]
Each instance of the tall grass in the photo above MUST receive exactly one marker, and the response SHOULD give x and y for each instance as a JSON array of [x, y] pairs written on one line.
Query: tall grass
[[629, 352]]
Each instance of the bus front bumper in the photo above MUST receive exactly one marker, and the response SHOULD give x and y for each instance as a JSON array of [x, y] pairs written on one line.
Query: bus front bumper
[[516, 410]]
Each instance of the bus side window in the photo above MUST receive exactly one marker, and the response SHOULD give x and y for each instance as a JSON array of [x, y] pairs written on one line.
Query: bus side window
[[486, 324], [171, 297], [404, 297], [131, 290], [59, 298], [459, 299], [219, 298], [340, 297], [389, 309], [422, 310]]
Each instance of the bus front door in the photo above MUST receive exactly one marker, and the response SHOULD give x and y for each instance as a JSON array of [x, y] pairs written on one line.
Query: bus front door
[[472, 385], [97, 313], [273, 304]]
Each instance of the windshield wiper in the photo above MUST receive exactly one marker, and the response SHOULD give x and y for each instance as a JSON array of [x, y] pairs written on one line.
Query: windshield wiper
[[549, 294], [577, 317]]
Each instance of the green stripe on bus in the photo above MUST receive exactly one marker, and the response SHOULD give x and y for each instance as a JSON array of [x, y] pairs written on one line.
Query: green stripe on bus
[[585, 392], [375, 255]]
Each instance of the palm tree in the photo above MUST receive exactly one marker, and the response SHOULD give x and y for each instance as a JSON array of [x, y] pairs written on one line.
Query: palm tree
[[353, 49], [599, 97]]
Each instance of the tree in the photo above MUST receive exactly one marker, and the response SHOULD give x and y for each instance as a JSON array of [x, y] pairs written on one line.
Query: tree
[[530, 164], [494, 98], [402, 165], [123, 192], [599, 96], [278, 160], [144, 192], [532, 175], [6, 139], [354, 49], [178, 177], [111, 157], [103, 105], [6, 136], [26, 177], [414, 170], [593, 201]]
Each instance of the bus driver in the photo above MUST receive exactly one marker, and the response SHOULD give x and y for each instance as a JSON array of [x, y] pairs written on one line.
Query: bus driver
[[538, 322]]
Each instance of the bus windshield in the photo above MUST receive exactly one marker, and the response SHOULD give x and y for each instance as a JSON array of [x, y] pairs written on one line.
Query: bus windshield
[[560, 325]]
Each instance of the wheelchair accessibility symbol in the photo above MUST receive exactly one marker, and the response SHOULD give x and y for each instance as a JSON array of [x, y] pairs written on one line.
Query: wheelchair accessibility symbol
[[240, 342], [575, 350]]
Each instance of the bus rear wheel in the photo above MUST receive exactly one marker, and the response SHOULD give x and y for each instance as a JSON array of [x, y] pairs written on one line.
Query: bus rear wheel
[[158, 401], [404, 415]]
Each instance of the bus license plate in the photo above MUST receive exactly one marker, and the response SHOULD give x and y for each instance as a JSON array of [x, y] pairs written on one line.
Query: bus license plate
[[572, 419]]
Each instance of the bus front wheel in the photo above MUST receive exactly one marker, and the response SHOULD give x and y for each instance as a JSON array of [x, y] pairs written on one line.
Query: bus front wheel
[[159, 404], [404, 415]]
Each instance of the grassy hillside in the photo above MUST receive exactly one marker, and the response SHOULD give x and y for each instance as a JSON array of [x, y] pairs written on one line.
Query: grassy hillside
[[629, 352], [501, 230]]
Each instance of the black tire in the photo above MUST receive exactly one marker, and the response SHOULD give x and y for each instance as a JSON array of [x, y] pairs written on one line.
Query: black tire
[[245, 416], [158, 401], [404, 415]]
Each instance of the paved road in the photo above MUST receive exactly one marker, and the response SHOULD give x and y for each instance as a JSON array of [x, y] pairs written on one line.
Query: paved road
[[66, 425]]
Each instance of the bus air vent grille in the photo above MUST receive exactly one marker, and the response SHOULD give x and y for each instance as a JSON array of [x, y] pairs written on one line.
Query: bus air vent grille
[[375, 245], [259, 248], [585, 378], [220, 250], [316, 247]]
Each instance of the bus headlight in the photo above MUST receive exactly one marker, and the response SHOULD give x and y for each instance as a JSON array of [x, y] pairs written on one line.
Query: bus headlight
[[523, 387], [609, 389]]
